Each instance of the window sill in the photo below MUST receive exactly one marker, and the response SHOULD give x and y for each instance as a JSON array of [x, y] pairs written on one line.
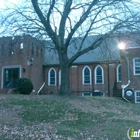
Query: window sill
[[51, 85], [136, 74], [86, 84], [99, 83]]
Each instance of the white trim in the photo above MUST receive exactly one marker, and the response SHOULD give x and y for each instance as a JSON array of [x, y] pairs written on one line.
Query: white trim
[[97, 91], [137, 97], [95, 74], [83, 77], [59, 77], [119, 66], [49, 77], [84, 94], [74, 66], [135, 66], [10, 67]]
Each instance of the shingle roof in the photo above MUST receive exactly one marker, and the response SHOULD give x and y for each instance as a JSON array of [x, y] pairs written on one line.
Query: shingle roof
[[107, 51]]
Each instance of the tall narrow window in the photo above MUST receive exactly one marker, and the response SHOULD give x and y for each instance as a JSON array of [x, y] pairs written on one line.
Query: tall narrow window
[[21, 45], [136, 66], [119, 75], [37, 51], [52, 77], [86, 75], [32, 49], [99, 75]]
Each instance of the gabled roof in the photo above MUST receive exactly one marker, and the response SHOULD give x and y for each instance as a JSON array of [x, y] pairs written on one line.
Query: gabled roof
[[107, 51]]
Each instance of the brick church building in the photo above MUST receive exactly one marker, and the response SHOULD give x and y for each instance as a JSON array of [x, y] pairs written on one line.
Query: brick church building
[[20, 56], [104, 71]]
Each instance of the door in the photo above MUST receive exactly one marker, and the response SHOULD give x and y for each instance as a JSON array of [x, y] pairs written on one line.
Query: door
[[10, 77]]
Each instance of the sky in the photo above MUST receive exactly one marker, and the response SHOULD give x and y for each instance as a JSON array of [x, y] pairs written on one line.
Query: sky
[[10, 3], [3, 2]]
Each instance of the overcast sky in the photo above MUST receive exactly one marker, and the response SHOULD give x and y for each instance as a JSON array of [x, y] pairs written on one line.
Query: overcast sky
[[8, 2], [3, 2]]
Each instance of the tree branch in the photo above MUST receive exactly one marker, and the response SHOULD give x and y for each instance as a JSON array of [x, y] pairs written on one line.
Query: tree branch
[[80, 22], [46, 22], [64, 17]]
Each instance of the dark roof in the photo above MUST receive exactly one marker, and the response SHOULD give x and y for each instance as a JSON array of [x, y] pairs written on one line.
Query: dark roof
[[107, 51]]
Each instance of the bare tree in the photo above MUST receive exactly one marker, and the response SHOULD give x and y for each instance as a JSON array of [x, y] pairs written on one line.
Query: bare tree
[[63, 20]]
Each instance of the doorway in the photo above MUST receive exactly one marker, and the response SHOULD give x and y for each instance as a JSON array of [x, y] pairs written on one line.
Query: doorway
[[10, 76]]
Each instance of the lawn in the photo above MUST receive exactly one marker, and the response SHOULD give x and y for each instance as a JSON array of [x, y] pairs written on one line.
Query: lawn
[[53, 117]]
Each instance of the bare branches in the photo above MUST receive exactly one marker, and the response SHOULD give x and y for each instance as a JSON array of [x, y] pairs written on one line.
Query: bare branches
[[46, 20], [81, 20], [64, 20], [64, 17]]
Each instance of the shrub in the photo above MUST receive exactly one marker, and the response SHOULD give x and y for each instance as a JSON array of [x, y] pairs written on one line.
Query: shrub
[[24, 86]]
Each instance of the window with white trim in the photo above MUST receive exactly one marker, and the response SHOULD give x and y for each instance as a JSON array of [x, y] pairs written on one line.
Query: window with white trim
[[136, 66], [87, 94], [86, 75], [137, 96], [99, 75], [52, 77], [10, 75], [119, 74]]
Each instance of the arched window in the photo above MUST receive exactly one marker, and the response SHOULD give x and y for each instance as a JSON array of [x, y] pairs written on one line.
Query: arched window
[[52, 77], [119, 75], [99, 75], [86, 75]]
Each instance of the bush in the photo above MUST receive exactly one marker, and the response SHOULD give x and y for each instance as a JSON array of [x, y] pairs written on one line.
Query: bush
[[24, 86]]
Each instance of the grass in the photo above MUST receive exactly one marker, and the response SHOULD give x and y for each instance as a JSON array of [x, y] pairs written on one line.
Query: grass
[[35, 110], [75, 117]]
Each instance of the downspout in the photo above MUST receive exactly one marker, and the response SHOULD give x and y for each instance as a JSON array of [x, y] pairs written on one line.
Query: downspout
[[108, 79], [125, 86]]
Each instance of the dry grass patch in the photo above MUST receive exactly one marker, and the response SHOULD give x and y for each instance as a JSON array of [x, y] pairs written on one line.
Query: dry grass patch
[[61, 118]]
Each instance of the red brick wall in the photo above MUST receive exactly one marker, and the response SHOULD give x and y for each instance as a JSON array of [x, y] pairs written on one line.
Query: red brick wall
[[76, 84], [135, 79], [76, 76], [12, 55], [112, 77]]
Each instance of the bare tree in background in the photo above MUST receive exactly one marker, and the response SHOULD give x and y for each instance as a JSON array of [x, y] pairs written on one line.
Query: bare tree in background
[[63, 20]]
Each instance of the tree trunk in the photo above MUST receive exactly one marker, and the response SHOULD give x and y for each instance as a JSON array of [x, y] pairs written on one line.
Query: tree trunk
[[65, 79], [65, 74]]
